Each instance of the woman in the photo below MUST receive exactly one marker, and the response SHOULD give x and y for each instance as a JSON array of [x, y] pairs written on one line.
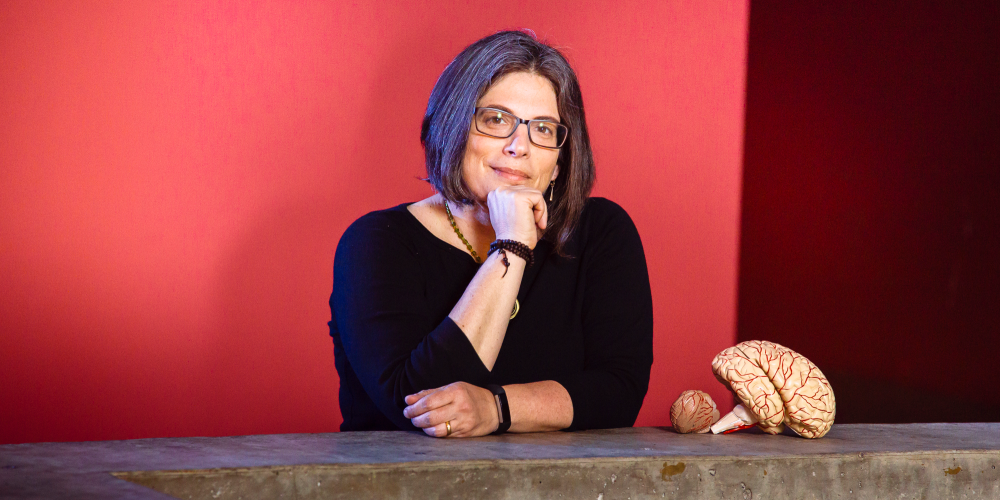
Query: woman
[[442, 322]]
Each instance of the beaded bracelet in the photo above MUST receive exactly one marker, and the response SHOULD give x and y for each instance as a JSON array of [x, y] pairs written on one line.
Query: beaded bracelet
[[516, 247]]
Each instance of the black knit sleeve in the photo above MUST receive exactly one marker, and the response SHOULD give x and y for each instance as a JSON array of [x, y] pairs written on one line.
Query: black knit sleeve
[[392, 343], [617, 322]]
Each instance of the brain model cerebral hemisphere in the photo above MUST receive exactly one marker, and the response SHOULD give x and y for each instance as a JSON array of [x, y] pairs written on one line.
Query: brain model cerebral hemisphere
[[778, 387], [694, 411]]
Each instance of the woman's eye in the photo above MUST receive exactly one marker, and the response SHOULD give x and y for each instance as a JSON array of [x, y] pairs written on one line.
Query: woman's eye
[[543, 128], [496, 119]]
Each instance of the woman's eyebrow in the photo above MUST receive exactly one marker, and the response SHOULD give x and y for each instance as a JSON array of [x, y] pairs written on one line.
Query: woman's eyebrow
[[505, 108]]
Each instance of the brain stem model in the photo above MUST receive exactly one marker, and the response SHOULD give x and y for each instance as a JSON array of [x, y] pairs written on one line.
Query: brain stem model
[[738, 419], [694, 411], [777, 387]]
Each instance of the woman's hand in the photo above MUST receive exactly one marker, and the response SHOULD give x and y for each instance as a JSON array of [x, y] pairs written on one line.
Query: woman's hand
[[471, 410], [517, 213]]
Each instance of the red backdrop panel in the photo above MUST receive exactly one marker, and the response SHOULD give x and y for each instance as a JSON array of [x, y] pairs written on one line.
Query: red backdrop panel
[[176, 175]]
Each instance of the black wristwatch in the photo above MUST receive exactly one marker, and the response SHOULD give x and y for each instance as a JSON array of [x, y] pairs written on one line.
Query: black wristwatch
[[503, 411]]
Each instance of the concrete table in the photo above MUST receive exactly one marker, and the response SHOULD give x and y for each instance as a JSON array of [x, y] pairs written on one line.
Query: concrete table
[[934, 461]]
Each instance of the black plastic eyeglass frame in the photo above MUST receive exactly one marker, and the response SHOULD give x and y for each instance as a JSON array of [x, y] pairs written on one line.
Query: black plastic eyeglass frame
[[518, 124]]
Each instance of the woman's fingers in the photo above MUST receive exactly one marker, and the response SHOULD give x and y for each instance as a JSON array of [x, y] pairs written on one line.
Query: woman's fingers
[[432, 409], [436, 422], [516, 212], [438, 418], [441, 431], [541, 211], [466, 408], [413, 398], [431, 400]]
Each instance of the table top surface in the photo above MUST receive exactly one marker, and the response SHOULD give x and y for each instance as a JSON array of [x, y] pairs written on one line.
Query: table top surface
[[41, 469]]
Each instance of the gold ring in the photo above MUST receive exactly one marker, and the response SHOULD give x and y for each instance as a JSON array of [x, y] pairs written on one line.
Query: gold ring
[[447, 428]]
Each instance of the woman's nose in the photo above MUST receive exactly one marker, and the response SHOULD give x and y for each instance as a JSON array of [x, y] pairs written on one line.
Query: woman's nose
[[517, 144]]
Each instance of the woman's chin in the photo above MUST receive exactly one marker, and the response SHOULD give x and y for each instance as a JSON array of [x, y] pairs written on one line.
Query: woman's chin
[[485, 188]]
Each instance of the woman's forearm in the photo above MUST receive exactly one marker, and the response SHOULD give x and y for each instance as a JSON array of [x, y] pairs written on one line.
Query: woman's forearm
[[539, 406], [484, 309]]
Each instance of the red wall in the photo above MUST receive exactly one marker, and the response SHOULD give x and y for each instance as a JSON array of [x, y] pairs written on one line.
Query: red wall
[[871, 227], [176, 175]]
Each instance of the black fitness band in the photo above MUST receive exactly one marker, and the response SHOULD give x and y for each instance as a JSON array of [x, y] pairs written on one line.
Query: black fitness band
[[503, 410]]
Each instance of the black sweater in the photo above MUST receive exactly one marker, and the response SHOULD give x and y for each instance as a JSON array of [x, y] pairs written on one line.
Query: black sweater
[[585, 321]]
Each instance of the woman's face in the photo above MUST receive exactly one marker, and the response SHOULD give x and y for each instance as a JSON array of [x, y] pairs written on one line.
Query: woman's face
[[491, 162]]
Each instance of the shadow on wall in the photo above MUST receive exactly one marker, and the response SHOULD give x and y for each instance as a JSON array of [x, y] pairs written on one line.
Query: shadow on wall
[[870, 235]]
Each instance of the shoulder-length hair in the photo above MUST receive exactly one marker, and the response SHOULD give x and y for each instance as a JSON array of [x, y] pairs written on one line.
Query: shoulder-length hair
[[445, 130]]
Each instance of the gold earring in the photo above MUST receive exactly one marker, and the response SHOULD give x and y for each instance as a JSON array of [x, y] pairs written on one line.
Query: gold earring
[[552, 188]]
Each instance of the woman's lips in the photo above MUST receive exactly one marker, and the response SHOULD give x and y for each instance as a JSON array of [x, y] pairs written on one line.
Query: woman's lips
[[509, 173]]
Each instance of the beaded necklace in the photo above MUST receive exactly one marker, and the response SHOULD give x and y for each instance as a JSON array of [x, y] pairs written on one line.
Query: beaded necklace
[[454, 226]]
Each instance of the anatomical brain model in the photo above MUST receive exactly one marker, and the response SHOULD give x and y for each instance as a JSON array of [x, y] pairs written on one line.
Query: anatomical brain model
[[777, 387], [694, 411]]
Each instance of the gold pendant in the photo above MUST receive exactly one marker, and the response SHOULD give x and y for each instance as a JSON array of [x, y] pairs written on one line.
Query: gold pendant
[[517, 307]]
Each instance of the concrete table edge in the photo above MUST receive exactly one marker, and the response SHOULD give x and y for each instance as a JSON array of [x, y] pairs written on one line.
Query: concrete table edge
[[96, 469]]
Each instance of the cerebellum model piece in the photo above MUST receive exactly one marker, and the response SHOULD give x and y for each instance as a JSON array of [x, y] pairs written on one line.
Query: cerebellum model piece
[[694, 411], [777, 387]]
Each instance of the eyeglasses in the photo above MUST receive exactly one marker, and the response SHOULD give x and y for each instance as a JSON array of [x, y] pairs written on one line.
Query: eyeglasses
[[501, 124]]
